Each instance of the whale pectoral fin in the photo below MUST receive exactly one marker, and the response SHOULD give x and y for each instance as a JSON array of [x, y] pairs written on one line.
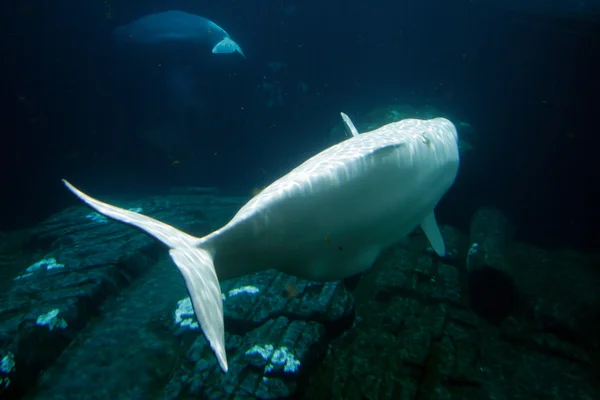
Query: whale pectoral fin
[[350, 128], [432, 231], [196, 266], [227, 46]]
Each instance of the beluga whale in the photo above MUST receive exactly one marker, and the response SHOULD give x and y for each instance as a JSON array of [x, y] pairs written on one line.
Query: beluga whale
[[176, 28], [327, 219]]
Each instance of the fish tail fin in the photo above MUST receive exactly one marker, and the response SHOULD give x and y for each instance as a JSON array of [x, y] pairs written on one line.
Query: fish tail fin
[[194, 263]]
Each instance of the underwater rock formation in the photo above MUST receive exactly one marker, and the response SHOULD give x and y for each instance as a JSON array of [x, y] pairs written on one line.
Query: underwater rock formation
[[84, 312]]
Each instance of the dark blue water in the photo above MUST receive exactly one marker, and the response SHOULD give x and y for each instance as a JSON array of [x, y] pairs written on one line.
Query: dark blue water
[[76, 106]]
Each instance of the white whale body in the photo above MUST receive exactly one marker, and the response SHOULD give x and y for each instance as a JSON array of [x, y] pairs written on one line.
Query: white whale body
[[327, 219], [170, 27]]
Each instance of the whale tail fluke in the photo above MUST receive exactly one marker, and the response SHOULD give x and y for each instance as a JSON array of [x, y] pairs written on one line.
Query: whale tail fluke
[[194, 263]]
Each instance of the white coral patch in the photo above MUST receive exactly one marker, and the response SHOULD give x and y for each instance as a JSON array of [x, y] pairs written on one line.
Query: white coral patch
[[184, 315], [265, 351], [280, 356], [51, 320], [243, 289], [46, 263], [283, 356], [8, 363]]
